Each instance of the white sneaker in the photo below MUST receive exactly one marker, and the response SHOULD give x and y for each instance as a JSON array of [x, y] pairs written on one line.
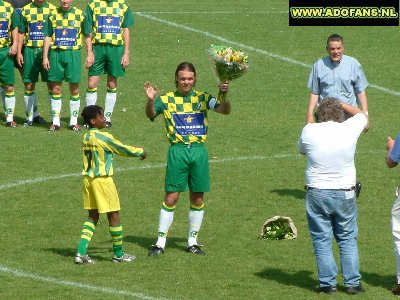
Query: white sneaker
[[83, 259], [124, 258]]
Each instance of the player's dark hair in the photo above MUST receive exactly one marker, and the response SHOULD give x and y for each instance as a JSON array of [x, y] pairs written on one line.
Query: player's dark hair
[[91, 112], [330, 109], [334, 38], [184, 66]]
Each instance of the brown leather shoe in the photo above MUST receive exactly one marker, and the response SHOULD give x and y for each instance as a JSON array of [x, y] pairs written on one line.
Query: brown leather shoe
[[396, 290]]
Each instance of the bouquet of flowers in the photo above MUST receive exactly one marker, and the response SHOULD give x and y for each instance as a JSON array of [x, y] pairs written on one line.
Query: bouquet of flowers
[[228, 63], [278, 228]]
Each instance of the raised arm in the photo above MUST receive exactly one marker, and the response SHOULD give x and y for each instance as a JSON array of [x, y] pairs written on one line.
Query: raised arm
[[353, 110], [225, 104], [151, 93]]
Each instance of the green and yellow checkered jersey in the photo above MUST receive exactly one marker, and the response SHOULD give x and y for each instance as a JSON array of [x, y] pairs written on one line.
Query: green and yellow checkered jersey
[[6, 12], [65, 28], [185, 117], [106, 20], [98, 149], [33, 18]]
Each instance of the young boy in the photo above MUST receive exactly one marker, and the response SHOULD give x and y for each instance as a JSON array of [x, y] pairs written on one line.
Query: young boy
[[99, 192]]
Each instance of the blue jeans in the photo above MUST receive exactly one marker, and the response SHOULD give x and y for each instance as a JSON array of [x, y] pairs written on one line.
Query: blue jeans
[[334, 213]]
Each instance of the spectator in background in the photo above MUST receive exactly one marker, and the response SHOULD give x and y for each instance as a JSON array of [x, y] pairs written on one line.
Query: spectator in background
[[339, 76]]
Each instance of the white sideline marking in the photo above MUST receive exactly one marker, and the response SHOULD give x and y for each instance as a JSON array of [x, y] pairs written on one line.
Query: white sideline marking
[[44, 179], [243, 46], [214, 160], [53, 280]]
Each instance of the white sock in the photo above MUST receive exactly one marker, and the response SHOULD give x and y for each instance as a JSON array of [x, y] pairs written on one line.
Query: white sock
[[10, 107], [56, 111], [111, 99], [29, 101], [195, 219], [165, 222], [91, 97], [74, 106]]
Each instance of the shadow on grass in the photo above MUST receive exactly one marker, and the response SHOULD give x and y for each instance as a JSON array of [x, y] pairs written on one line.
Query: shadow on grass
[[301, 279], [305, 280], [383, 281], [94, 252], [146, 243], [295, 193]]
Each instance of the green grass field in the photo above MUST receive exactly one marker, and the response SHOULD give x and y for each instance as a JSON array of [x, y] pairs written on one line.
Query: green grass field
[[255, 167]]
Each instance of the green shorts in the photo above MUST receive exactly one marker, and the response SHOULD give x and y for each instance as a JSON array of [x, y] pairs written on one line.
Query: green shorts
[[6, 67], [107, 60], [65, 65], [187, 168], [100, 193], [33, 65]]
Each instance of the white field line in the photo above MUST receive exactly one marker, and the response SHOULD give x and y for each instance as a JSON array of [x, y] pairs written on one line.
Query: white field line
[[157, 166], [44, 179], [247, 47], [56, 281]]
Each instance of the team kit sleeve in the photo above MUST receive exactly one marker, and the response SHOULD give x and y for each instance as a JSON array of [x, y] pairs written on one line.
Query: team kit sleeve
[[48, 28], [22, 24], [110, 143], [88, 21], [15, 19], [158, 106], [395, 153], [129, 20], [212, 102]]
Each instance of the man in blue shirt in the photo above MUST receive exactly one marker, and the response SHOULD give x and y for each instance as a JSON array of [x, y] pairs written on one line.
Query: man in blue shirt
[[339, 76]]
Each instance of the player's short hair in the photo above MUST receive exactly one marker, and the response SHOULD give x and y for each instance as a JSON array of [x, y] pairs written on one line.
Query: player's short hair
[[91, 112], [184, 66], [334, 38], [330, 109]]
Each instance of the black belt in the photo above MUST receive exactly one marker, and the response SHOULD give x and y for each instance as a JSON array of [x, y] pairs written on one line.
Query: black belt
[[353, 188]]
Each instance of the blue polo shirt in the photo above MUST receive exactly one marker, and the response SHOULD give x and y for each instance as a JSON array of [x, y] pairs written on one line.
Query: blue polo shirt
[[395, 153], [343, 80]]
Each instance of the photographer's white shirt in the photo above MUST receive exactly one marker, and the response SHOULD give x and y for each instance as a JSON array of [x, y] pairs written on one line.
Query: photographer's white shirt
[[330, 148]]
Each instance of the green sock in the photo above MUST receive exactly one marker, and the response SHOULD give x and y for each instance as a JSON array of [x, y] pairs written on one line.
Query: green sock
[[86, 235], [116, 236]]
